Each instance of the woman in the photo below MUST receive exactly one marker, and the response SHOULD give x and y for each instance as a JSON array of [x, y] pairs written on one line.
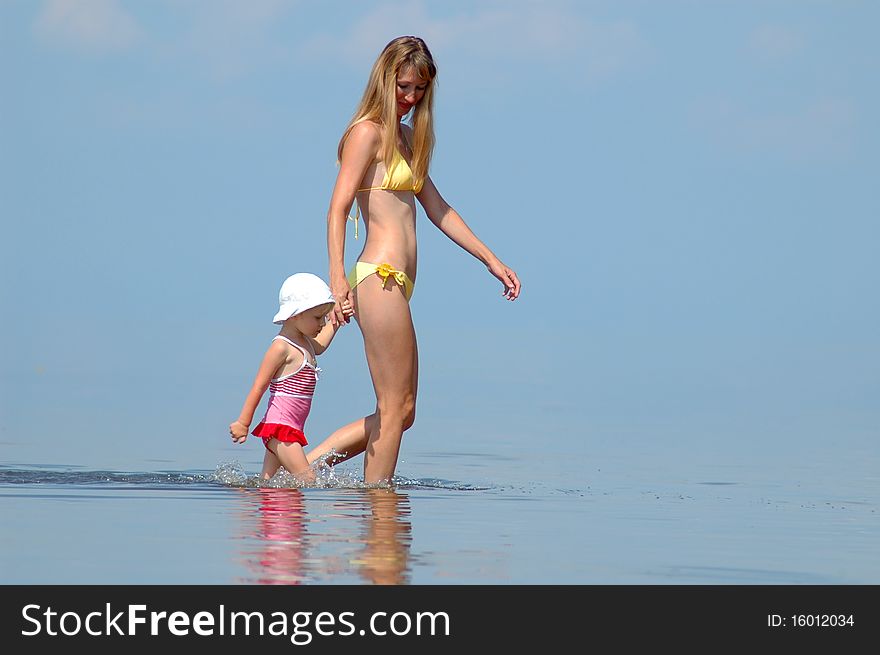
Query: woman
[[384, 167]]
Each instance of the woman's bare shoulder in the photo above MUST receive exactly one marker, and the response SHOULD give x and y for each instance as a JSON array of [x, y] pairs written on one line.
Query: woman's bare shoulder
[[364, 136], [366, 131]]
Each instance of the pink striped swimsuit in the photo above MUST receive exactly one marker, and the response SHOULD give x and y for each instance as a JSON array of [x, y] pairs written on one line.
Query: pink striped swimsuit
[[290, 399]]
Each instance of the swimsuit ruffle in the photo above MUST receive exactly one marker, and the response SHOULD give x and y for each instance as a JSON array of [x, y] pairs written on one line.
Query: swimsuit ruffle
[[286, 433]]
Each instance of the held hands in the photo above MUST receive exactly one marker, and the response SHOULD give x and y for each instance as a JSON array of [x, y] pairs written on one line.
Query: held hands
[[508, 278], [343, 310], [238, 431], [347, 313]]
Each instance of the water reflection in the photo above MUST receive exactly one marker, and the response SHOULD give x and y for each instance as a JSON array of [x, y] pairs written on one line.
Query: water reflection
[[281, 534], [386, 538], [292, 536]]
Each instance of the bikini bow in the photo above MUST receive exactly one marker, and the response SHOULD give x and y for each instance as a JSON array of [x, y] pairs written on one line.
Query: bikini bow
[[385, 271]]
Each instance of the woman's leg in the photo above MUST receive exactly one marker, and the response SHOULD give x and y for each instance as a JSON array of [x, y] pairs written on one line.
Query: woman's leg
[[390, 344], [347, 442]]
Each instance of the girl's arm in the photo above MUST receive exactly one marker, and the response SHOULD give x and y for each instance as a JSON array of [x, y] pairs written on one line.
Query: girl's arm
[[325, 336], [274, 358], [321, 342], [453, 226], [358, 153]]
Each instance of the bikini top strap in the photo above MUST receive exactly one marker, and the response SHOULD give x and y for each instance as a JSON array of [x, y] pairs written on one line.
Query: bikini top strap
[[307, 356]]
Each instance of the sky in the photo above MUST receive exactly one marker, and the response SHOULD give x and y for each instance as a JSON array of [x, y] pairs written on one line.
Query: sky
[[686, 189]]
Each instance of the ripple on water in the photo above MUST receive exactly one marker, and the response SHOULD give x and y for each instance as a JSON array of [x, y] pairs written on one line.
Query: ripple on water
[[56, 477], [229, 474]]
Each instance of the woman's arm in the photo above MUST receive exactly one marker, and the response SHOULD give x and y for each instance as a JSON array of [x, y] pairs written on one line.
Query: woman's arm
[[274, 358], [358, 153], [453, 226]]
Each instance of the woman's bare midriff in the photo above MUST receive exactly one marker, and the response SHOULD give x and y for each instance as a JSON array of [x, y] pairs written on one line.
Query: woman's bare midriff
[[389, 219]]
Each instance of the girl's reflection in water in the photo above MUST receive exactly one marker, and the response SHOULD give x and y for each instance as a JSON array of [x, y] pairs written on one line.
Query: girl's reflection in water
[[354, 532], [282, 536]]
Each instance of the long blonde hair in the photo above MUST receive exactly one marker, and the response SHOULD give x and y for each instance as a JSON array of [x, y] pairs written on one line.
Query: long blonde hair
[[379, 102]]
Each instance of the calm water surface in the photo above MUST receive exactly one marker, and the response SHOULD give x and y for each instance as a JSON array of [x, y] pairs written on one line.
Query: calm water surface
[[652, 523]]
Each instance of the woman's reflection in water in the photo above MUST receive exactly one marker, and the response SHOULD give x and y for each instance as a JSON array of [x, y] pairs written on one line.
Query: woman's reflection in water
[[386, 537]]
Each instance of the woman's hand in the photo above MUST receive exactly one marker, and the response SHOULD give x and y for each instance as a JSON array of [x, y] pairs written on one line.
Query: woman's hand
[[508, 278], [342, 310], [238, 431]]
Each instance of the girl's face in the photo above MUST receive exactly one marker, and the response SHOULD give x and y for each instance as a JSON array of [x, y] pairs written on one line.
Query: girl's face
[[311, 321], [410, 89]]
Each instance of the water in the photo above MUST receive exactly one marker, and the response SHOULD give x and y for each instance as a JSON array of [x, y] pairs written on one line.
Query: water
[[509, 519]]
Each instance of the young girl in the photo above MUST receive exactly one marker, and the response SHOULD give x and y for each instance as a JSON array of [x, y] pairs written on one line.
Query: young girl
[[290, 372]]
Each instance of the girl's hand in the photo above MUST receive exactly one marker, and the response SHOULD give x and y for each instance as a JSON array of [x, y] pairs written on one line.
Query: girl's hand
[[508, 278], [342, 310], [238, 431]]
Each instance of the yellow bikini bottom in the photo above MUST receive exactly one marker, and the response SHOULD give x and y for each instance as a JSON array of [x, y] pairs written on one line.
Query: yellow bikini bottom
[[362, 270]]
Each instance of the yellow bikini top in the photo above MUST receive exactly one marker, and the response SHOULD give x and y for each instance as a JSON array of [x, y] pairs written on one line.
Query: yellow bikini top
[[398, 177]]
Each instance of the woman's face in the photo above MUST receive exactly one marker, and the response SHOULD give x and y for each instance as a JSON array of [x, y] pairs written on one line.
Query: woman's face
[[410, 89]]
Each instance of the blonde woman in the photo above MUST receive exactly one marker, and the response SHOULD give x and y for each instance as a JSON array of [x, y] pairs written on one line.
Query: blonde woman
[[384, 168]]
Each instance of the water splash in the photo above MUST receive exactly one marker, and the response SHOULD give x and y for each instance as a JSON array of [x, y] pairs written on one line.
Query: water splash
[[327, 477], [231, 474]]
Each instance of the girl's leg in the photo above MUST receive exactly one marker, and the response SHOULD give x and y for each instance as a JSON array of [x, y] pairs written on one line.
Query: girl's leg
[[292, 458], [347, 442], [390, 344], [270, 465]]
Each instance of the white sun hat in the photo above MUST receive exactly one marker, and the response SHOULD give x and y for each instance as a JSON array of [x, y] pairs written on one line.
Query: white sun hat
[[300, 292]]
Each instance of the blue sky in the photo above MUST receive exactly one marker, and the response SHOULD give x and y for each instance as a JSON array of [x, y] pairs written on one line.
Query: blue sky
[[686, 189]]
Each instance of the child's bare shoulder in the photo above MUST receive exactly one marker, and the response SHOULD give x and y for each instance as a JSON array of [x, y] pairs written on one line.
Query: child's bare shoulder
[[286, 353]]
